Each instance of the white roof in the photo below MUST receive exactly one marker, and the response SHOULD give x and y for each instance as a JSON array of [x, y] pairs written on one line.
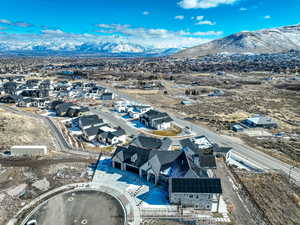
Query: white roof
[[28, 146], [202, 142], [107, 129]]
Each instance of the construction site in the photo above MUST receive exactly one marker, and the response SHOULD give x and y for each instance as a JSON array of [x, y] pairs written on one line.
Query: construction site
[[24, 179]]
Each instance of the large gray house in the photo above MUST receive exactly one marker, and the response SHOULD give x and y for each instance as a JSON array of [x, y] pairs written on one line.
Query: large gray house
[[192, 168]]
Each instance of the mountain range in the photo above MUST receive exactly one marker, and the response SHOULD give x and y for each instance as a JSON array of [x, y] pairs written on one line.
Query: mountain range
[[110, 49], [265, 41]]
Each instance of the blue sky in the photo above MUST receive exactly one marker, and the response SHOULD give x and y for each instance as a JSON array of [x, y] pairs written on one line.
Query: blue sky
[[159, 23]]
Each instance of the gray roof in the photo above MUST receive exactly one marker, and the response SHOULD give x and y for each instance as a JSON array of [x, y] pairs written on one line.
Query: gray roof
[[261, 120], [92, 131], [188, 144], [90, 120], [146, 142]]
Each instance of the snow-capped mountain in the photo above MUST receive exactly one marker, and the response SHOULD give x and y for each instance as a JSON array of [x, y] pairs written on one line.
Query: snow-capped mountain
[[262, 41], [80, 48]]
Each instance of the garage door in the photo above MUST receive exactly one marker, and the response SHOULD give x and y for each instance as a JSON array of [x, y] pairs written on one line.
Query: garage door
[[117, 165], [132, 169]]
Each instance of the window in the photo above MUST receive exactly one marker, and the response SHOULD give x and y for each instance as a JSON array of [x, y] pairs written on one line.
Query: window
[[190, 196]]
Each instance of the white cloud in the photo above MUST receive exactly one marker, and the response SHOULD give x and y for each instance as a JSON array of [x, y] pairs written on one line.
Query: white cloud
[[141, 32], [179, 17], [4, 21], [243, 9], [206, 22], [17, 24], [198, 17], [204, 4], [155, 36], [57, 31], [267, 17], [146, 13], [208, 33], [117, 33]]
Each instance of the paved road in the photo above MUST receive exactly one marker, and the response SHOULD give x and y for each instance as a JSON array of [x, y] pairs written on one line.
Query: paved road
[[114, 120], [230, 194], [257, 158]]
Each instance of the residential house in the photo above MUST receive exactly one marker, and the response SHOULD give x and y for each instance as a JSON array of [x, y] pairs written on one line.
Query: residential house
[[90, 134], [53, 104], [35, 93], [10, 99], [46, 85], [88, 121], [75, 111], [33, 83], [171, 168], [10, 87], [25, 102], [62, 109], [107, 96], [156, 120], [259, 121], [116, 136], [121, 108], [200, 193], [137, 110]]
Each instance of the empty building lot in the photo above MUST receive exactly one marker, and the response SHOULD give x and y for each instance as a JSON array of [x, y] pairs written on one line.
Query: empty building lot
[[80, 207]]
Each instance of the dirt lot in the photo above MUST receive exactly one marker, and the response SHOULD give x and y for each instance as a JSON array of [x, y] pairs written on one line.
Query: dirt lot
[[25, 179], [21, 130], [279, 201]]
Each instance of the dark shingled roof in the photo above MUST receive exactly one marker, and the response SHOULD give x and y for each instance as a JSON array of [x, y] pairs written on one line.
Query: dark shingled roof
[[196, 185], [90, 120], [188, 144], [143, 141], [208, 161], [92, 131], [127, 153]]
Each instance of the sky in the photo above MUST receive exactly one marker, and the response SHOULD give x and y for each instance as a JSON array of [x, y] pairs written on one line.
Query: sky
[[156, 23]]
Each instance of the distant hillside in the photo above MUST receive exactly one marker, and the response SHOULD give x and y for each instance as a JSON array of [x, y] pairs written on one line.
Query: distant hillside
[[102, 49], [262, 41]]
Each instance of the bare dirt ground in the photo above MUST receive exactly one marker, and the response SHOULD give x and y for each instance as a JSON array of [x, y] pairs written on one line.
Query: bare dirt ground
[[278, 200], [22, 130], [22, 180]]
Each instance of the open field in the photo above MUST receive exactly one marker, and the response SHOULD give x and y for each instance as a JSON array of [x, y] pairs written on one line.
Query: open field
[[278, 200], [22, 130]]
